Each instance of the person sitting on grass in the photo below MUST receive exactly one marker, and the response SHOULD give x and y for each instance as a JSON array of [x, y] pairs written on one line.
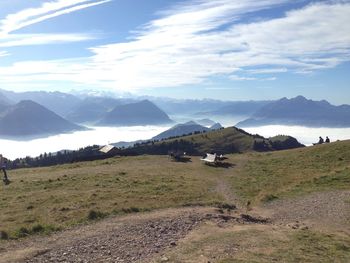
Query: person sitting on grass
[[3, 168], [327, 140], [320, 141]]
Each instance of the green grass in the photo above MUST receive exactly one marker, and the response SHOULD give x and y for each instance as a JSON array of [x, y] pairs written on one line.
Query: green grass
[[229, 140], [62, 196], [267, 176]]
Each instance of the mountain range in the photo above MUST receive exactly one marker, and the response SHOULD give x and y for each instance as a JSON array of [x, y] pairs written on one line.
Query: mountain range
[[300, 111], [58, 102], [110, 111]]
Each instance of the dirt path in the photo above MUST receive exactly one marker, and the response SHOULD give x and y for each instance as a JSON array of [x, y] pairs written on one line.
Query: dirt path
[[223, 185], [225, 190]]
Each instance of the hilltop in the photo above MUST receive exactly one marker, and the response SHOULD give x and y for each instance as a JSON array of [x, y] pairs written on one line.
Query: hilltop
[[222, 141]]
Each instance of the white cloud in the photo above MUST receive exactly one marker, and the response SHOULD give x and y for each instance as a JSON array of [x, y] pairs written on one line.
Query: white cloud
[[190, 44], [268, 70], [46, 11], [3, 53], [42, 39], [239, 78]]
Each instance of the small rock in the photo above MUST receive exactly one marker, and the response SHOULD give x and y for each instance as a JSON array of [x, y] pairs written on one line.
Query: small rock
[[164, 259]]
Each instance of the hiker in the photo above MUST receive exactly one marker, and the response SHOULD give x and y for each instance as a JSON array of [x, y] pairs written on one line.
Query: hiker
[[3, 168], [320, 141], [327, 140]]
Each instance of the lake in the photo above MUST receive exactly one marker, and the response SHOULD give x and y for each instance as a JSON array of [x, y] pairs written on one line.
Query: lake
[[103, 135]]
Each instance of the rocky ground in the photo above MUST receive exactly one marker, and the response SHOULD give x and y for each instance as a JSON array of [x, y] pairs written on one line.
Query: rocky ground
[[134, 238], [144, 237]]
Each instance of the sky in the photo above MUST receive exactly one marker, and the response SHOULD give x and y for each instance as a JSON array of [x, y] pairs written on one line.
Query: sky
[[217, 49]]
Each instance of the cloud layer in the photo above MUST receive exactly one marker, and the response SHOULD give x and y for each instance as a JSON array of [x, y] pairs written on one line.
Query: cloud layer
[[192, 43]]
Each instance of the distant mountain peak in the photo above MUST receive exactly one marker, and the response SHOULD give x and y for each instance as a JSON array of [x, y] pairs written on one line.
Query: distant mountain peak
[[181, 129], [190, 123], [299, 98], [143, 112], [28, 118]]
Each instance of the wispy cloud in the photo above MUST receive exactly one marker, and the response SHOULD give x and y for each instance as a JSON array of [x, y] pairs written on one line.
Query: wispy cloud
[[42, 39], [13, 22], [46, 11], [191, 43], [239, 78], [268, 70], [3, 53]]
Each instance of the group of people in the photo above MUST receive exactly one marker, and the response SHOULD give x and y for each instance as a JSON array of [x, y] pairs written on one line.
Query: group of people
[[3, 163], [320, 141]]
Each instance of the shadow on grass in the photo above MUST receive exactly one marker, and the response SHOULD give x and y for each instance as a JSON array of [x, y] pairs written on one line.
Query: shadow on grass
[[221, 165], [182, 159]]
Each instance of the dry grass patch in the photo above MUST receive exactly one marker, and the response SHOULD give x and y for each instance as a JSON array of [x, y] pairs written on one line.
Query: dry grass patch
[[259, 243], [63, 195]]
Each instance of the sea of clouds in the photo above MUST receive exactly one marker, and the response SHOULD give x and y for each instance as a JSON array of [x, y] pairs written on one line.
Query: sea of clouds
[[104, 135]]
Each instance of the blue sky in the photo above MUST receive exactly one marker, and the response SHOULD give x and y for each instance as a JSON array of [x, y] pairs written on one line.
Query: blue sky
[[220, 49]]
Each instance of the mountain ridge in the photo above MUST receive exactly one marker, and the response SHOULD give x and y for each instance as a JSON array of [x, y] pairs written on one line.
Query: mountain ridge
[[300, 111]]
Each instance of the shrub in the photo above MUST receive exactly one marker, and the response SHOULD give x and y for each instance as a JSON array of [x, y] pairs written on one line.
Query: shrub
[[3, 235], [94, 215], [269, 198], [22, 232], [38, 229]]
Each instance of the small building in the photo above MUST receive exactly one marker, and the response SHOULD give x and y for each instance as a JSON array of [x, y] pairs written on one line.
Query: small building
[[107, 149]]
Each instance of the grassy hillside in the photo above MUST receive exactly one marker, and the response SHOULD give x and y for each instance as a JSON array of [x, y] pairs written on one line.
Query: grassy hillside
[[223, 141], [267, 176], [60, 196]]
